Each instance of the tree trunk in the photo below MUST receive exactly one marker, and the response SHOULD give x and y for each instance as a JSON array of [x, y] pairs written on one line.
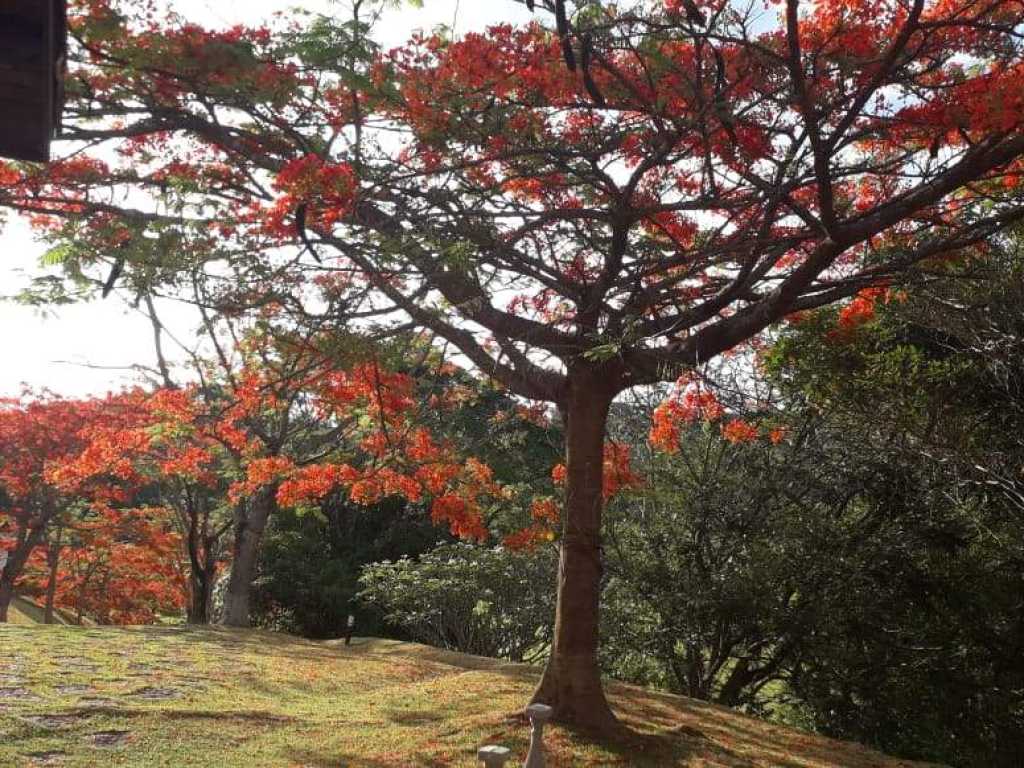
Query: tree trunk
[[201, 549], [6, 596], [740, 677], [53, 561], [51, 589], [572, 680], [202, 576], [28, 540], [82, 587], [251, 519], [198, 611]]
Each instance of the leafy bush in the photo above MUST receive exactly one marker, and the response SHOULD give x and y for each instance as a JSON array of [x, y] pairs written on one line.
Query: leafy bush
[[488, 602]]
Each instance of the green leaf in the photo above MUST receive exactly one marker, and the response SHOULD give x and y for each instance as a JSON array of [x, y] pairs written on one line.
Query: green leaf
[[57, 255], [603, 352]]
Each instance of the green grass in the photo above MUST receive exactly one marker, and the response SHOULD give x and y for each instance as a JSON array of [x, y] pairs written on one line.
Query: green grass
[[88, 696]]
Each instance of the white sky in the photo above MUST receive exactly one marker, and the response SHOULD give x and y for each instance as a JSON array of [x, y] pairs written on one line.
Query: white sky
[[83, 349]]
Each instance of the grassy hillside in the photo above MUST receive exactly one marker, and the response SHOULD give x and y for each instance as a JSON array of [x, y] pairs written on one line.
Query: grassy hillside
[[74, 696], [23, 611]]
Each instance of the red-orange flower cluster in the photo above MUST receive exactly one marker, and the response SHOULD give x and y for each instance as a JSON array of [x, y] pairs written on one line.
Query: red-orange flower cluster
[[688, 403]]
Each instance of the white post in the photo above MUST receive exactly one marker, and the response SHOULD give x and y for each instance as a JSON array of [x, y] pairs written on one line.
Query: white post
[[494, 756], [539, 714]]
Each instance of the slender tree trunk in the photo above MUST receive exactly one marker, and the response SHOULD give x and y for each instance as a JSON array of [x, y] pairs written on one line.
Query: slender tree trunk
[[51, 587], [82, 587], [202, 586], [53, 561], [572, 680], [198, 611], [202, 565], [251, 519], [6, 596]]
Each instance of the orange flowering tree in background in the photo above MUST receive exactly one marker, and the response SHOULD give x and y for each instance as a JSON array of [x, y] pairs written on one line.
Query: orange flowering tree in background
[[603, 198], [116, 566], [315, 427], [401, 457], [285, 427], [362, 432], [37, 435], [159, 455]]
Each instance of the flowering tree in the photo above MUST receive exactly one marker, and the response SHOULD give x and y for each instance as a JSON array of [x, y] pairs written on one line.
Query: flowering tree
[[164, 453], [36, 436], [115, 566], [285, 424], [599, 200]]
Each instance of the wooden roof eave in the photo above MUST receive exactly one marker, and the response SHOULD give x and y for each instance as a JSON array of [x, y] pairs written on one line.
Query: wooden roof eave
[[33, 47]]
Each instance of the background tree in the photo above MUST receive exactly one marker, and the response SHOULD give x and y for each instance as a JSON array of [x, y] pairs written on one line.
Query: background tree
[[919, 399], [708, 590], [167, 456], [577, 209], [117, 566], [36, 435], [213, 451], [311, 559], [311, 562]]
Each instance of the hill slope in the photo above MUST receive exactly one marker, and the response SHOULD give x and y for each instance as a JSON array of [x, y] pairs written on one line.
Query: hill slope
[[24, 611], [143, 697]]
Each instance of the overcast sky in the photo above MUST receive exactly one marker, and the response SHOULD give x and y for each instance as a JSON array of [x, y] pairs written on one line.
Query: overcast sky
[[82, 349]]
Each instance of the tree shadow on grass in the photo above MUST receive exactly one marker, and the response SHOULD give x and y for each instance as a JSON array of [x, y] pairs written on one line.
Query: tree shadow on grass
[[675, 746], [321, 759], [250, 717], [734, 735], [641, 750], [415, 717], [667, 730], [381, 648]]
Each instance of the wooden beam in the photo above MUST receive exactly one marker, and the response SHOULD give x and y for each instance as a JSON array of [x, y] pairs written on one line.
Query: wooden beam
[[32, 49]]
